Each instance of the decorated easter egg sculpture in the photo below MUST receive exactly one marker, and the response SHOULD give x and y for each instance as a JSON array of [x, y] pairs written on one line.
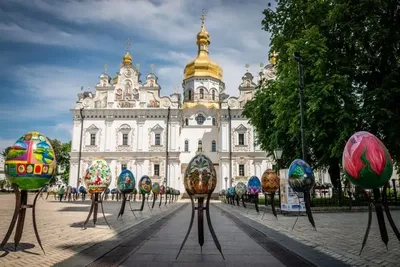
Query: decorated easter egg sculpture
[[240, 190], [126, 181], [98, 176], [367, 163], [156, 188], [200, 180], [200, 176], [145, 185], [301, 176], [270, 183], [301, 179], [254, 186], [162, 190], [31, 162]]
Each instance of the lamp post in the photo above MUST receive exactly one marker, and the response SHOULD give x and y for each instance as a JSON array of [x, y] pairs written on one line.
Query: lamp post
[[278, 155], [299, 60], [226, 182], [80, 150]]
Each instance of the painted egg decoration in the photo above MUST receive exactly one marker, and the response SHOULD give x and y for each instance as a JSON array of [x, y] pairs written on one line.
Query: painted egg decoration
[[114, 191], [108, 191], [270, 181], [240, 189], [254, 186], [200, 176], [167, 190], [126, 181], [366, 161], [82, 190], [156, 188], [162, 190], [31, 161], [98, 176], [301, 176], [145, 185], [231, 191], [223, 192], [74, 190]]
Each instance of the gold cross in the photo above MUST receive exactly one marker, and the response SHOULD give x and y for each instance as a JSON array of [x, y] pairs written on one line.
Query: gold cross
[[105, 68], [128, 44], [152, 68], [203, 18], [138, 66], [247, 67]]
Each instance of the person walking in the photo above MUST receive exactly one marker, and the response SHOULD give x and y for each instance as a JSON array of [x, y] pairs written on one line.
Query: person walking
[[61, 192]]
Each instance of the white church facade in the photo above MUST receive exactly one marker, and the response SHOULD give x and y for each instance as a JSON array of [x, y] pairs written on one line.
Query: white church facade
[[129, 124]]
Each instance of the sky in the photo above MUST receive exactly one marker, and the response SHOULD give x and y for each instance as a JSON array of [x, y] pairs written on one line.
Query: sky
[[50, 48]]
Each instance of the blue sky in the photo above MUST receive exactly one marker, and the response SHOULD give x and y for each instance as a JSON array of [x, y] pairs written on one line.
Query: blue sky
[[49, 49]]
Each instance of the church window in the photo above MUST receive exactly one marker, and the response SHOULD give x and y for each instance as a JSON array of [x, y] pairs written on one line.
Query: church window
[[157, 169], [241, 139], [157, 140], [213, 95], [213, 121], [124, 167], [241, 170], [200, 146], [92, 139], [186, 121], [213, 146], [201, 93], [190, 95], [200, 119], [124, 139], [186, 145]]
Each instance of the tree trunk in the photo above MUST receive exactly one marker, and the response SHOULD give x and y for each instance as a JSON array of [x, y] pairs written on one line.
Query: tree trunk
[[334, 173]]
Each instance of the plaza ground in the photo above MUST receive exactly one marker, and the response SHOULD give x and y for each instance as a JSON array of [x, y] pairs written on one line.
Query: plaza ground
[[154, 238]]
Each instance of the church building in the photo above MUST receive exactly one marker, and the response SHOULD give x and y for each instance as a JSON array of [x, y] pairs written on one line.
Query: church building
[[129, 124]]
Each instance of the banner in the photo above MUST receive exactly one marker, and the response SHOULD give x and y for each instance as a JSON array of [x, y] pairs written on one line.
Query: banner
[[289, 198]]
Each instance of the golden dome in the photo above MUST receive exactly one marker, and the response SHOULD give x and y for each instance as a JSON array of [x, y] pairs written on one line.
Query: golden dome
[[127, 59], [202, 65]]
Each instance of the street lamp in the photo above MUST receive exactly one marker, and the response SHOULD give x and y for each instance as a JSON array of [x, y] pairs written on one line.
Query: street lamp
[[278, 155], [299, 60], [226, 182]]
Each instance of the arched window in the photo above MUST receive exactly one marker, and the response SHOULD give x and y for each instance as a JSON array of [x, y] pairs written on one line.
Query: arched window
[[190, 95], [201, 93], [186, 121], [213, 95], [213, 121], [186, 145], [213, 146], [200, 146]]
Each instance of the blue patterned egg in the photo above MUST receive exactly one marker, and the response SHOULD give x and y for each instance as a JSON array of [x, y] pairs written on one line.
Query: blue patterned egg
[[254, 186], [301, 176]]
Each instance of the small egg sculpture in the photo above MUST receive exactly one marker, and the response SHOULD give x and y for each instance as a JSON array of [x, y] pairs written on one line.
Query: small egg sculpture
[[200, 176], [240, 189], [108, 191], [156, 188], [270, 181], [145, 185], [301, 176], [254, 186], [162, 190], [98, 176], [168, 190], [126, 181], [31, 162], [82, 190]]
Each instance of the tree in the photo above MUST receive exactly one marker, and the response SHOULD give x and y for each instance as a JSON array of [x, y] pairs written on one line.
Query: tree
[[61, 152], [330, 102], [5, 151]]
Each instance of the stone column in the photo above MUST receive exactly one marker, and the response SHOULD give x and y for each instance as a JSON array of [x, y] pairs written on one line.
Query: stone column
[[107, 134], [140, 140]]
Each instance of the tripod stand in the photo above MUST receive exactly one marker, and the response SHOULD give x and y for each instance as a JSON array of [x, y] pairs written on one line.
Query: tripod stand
[[94, 209]]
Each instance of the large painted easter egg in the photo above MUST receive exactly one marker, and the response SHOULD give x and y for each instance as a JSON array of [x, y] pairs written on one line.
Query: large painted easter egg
[[231, 192], [240, 189], [126, 181], [270, 181], [200, 176], [156, 188], [254, 185], [145, 185], [301, 176], [31, 161], [366, 161], [98, 176], [162, 190]]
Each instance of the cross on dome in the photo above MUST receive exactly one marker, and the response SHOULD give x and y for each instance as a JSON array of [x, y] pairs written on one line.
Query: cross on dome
[[152, 68], [128, 44], [247, 67], [203, 18], [105, 68]]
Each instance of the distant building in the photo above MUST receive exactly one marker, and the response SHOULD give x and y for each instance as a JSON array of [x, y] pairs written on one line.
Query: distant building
[[2, 175]]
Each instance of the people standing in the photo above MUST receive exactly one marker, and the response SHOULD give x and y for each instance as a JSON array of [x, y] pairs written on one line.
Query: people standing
[[61, 193]]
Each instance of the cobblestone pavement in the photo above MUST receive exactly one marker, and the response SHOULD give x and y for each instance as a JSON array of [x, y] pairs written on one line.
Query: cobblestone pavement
[[60, 227], [338, 234]]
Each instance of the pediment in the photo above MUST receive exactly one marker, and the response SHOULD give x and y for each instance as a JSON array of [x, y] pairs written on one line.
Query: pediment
[[241, 128], [157, 128]]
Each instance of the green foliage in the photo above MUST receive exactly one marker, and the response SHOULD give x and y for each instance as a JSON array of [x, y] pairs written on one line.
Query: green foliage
[[4, 153], [342, 43], [61, 151]]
